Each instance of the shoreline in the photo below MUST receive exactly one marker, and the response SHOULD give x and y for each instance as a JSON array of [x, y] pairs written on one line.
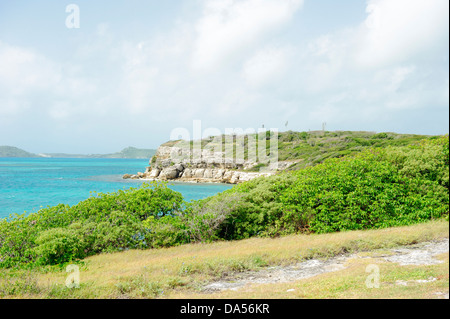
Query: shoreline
[[202, 175], [181, 181]]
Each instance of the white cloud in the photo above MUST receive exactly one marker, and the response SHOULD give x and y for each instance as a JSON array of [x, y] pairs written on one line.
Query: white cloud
[[398, 77], [23, 74], [397, 30], [323, 61], [266, 66], [60, 110], [102, 29], [11, 106], [228, 26], [22, 70], [139, 87], [31, 82], [387, 67]]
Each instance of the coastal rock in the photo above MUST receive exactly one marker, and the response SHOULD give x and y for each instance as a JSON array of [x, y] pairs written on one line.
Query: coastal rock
[[198, 173], [126, 176], [218, 174], [166, 163], [154, 172], [187, 173], [179, 167], [234, 178], [181, 160], [246, 176], [169, 173], [227, 176], [208, 173]]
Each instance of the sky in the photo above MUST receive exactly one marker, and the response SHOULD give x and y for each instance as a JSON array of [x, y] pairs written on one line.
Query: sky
[[97, 76]]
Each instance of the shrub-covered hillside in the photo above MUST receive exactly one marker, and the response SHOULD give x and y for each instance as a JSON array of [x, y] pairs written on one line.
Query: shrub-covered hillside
[[376, 188], [310, 148], [303, 149]]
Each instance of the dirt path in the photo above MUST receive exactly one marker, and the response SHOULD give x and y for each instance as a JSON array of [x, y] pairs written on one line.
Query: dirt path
[[418, 254]]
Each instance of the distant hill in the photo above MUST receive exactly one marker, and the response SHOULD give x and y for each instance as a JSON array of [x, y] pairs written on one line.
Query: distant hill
[[11, 151], [129, 152]]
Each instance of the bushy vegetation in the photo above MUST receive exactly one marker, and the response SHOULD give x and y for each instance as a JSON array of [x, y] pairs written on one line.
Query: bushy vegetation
[[102, 223], [310, 148], [302, 149], [376, 188]]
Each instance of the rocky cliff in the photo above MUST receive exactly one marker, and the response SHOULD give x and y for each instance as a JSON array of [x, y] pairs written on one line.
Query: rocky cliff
[[182, 162]]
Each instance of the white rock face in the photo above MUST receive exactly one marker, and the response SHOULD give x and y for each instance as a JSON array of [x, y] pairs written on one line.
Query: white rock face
[[154, 172], [199, 173], [206, 165], [169, 173]]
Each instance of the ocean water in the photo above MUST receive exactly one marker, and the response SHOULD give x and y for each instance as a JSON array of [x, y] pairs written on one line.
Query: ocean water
[[28, 184]]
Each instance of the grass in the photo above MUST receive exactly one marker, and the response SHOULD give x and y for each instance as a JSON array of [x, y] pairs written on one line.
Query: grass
[[180, 272], [350, 283]]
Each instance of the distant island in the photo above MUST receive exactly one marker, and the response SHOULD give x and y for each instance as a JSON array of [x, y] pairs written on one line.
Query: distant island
[[11, 151], [129, 152]]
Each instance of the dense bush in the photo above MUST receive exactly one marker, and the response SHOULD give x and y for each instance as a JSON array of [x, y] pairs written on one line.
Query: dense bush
[[376, 188], [105, 222], [204, 219], [166, 231], [199, 222]]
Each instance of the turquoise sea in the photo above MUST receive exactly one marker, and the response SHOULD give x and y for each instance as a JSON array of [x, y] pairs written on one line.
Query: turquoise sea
[[27, 184]]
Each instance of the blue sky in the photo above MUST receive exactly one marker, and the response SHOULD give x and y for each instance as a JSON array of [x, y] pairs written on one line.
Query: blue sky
[[135, 70]]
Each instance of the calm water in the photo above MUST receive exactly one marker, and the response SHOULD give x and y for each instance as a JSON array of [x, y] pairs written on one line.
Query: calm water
[[26, 184]]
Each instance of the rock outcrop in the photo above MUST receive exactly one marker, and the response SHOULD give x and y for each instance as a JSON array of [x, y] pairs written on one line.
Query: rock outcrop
[[182, 163]]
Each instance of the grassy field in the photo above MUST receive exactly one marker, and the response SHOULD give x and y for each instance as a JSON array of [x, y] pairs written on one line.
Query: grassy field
[[182, 271]]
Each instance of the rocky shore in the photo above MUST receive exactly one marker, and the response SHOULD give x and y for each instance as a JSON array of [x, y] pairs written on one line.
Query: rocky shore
[[179, 162]]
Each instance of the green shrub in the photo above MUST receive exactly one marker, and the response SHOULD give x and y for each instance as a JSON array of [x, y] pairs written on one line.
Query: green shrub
[[166, 231], [58, 245], [360, 193], [376, 188], [104, 222], [204, 219], [381, 136], [119, 231], [154, 199]]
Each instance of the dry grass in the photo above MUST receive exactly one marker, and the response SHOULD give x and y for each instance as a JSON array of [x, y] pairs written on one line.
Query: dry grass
[[350, 283], [180, 272]]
